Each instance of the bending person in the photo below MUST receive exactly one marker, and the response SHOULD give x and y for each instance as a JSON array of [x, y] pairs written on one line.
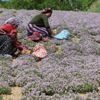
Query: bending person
[[8, 37], [40, 24]]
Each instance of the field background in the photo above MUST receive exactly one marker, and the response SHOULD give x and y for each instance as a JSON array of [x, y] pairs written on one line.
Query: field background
[[72, 70]]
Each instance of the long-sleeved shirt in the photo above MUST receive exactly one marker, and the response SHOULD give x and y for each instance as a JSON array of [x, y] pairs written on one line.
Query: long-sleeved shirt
[[40, 20]]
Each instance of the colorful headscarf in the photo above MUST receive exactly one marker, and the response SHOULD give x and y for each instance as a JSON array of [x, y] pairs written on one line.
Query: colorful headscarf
[[46, 10], [13, 21]]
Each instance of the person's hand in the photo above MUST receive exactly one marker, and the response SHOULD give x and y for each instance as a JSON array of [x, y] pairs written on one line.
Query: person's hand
[[23, 51], [52, 35], [2, 32]]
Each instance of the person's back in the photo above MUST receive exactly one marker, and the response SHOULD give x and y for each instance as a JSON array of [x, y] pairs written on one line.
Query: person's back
[[40, 20]]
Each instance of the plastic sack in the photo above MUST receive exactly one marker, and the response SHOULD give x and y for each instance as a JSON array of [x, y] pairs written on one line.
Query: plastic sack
[[39, 51], [64, 34]]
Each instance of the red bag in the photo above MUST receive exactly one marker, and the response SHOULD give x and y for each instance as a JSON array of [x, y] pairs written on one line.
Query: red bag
[[36, 36], [39, 51]]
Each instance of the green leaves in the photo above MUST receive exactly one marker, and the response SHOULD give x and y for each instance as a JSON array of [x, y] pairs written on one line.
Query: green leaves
[[54, 4], [5, 90]]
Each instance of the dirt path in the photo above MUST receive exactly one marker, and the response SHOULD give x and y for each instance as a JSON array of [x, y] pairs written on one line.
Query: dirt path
[[16, 94]]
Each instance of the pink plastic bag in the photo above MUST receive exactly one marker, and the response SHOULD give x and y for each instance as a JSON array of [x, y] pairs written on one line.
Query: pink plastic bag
[[39, 51]]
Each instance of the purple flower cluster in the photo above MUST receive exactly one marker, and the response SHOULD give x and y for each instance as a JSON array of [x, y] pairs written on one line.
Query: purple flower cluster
[[6, 79]]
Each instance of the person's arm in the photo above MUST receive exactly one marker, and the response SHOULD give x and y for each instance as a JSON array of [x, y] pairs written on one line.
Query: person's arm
[[50, 32], [2, 29], [47, 26]]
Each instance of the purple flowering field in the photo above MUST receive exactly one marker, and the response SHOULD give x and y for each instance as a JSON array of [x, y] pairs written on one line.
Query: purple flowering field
[[72, 69]]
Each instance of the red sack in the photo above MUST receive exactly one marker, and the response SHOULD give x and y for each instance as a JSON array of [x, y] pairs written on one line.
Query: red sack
[[36, 36], [39, 51]]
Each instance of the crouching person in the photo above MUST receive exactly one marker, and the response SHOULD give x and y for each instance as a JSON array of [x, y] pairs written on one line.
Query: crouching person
[[8, 37], [40, 24]]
